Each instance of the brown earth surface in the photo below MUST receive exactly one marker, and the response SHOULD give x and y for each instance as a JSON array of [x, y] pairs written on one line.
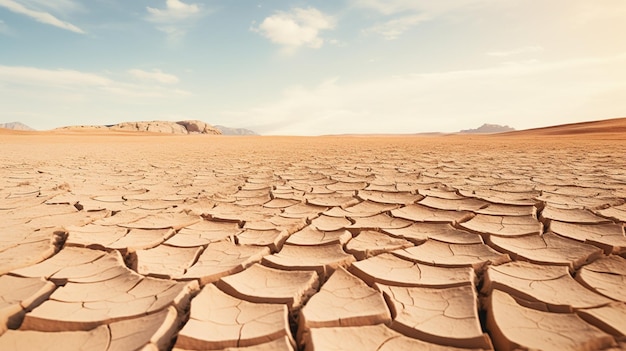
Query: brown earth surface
[[122, 241]]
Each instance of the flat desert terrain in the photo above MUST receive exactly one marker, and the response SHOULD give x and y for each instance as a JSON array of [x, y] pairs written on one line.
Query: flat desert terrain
[[127, 241]]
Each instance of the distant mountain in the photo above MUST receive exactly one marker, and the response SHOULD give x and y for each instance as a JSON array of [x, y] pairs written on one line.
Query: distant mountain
[[15, 126], [234, 131], [487, 129]]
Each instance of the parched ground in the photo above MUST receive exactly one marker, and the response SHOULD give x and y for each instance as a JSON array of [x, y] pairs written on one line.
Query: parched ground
[[121, 242]]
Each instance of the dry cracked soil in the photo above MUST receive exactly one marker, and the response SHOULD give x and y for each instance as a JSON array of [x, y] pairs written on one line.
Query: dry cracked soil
[[121, 242]]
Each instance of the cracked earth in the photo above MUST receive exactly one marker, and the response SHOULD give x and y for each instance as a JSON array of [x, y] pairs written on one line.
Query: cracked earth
[[328, 243]]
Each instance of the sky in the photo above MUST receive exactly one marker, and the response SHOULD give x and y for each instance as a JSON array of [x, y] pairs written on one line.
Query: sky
[[313, 67]]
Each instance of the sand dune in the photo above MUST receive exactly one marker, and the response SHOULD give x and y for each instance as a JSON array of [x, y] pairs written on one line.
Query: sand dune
[[614, 126]]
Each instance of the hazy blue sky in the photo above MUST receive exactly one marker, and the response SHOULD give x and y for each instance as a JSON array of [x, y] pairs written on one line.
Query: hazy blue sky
[[313, 67]]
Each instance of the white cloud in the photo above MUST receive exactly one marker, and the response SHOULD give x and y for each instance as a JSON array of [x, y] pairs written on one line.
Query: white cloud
[[398, 16], [175, 10], [585, 12], [154, 76], [387, 7], [394, 28], [517, 51], [4, 29], [296, 28], [520, 95], [174, 19], [406, 14], [63, 77], [80, 82], [39, 16], [336, 42], [174, 33], [57, 6], [49, 98], [390, 7]]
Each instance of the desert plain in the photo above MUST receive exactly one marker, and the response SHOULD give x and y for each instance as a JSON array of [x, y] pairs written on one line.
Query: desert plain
[[121, 241]]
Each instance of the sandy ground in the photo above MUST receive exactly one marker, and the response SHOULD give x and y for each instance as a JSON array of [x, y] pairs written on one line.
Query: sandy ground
[[121, 241]]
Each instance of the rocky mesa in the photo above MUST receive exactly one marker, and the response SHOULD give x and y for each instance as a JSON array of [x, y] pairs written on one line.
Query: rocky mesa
[[180, 127]]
